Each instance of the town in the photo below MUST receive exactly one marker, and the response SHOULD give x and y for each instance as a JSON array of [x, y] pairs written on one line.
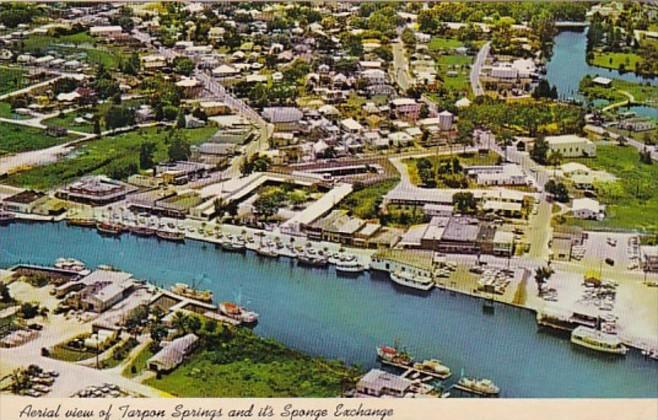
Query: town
[[410, 152]]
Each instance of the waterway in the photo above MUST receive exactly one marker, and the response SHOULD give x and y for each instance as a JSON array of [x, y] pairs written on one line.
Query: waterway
[[318, 312], [568, 65]]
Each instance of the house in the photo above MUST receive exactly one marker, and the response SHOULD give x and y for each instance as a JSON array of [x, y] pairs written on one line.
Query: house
[[284, 118], [172, 354], [225, 71], [405, 108], [570, 145], [105, 31], [213, 153], [602, 81], [508, 174], [95, 190], [24, 201], [351, 126], [181, 172], [153, 62], [212, 108], [378, 383], [103, 289], [587, 208], [503, 243]]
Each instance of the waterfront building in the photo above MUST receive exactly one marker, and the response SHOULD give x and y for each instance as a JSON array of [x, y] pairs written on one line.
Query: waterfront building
[[102, 289], [173, 353], [95, 190], [181, 172], [503, 243], [24, 201], [378, 383], [460, 236]]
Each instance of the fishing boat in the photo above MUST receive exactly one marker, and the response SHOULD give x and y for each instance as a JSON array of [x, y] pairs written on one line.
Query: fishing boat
[[478, 386], [392, 355], [141, 230], [598, 340], [79, 221], [109, 228], [349, 266], [232, 244], [170, 235], [310, 258], [6, 218], [433, 367], [185, 290], [409, 280], [267, 251], [238, 313]]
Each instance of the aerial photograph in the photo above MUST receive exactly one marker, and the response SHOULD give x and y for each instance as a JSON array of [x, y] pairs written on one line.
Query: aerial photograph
[[329, 199]]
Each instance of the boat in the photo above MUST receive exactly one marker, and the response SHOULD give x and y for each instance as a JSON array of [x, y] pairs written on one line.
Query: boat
[[391, 355], [69, 264], [598, 340], [310, 258], [409, 280], [170, 235], [233, 245], [185, 290], [350, 265], [478, 386], [79, 221], [109, 228], [141, 230], [238, 313], [433, 367], [267, 251], [6, 218]]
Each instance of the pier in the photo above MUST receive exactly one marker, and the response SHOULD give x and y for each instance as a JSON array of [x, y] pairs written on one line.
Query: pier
[[409, 370]]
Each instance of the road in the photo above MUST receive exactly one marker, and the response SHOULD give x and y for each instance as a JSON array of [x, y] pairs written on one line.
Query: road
[[480, 59], [401, 73]]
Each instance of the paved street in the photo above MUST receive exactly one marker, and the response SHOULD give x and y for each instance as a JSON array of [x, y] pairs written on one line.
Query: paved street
[[477, 67]]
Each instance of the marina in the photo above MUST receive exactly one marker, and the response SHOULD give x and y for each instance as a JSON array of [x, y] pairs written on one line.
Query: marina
[[354, 316]]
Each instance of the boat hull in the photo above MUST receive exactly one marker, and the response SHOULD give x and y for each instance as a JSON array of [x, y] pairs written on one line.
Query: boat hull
[[620, 351]]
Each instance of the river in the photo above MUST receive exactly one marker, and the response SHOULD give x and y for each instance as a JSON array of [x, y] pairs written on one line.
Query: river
[[568, 65], [318, 312]]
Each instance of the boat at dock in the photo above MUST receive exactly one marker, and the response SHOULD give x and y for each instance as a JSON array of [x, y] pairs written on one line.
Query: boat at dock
[[238, 313], [70, 264], [392, 356], [141, 230], [109, 228], [170, 235], [6, 218], [185, 290], [266, 251], [484, 387], [433, 367], [83, 222], [233, 245], [598, 340], [311, 258], [349, 266], [409, 280]]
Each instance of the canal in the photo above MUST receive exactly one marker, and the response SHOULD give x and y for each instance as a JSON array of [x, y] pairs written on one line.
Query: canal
[[318, 312], [568, 65]]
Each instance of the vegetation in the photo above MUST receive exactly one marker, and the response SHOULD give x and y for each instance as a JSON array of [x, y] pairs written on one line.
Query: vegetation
[[238, 363], [18, 138], [116, 156], [365, 202], [72, 350], [11, 79], [619, 91], [272, 198], [446, 171], [256, 163]]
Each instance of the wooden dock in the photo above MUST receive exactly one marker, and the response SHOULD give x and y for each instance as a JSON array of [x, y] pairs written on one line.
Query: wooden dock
[[409, 369]]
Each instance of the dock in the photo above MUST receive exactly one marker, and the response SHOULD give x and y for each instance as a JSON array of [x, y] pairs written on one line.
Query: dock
[[410, 370], [472, 391]]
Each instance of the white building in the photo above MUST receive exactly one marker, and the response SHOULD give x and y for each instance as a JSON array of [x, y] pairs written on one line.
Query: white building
[[571, 145], [587, 208]]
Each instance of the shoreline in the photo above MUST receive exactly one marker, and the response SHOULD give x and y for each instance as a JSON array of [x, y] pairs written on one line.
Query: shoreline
[[532, 303]]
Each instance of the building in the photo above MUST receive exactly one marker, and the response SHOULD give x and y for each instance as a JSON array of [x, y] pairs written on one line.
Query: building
[[503, 243], [284, 118], [445, 120], [649, 257], [571, 146], [378, 383], [95, 190], [103, 289], [24, 201], [338, 226], [587, 208], [508, 174], [213, 153], [460, 236], [405, 108], [106, 31], [181, 172], [172, 354]]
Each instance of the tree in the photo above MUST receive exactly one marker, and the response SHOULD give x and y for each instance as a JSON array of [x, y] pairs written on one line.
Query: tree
[[183, 65], [539, 151], [542, 274], [5, 296], [180, 321], [119, 116], [97, 125], [180, 119], [179, 147], [146, 151], [464, 202], [408, 38]]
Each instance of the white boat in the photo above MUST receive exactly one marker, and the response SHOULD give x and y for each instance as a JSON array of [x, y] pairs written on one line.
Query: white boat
[[349, 265], [433, 366], [598, 340], [70, 264], [409, 280], [479, 386], [267, 251], [238, 313]]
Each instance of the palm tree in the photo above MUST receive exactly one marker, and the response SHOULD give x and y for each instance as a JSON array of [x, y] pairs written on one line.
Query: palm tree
[[542, 274], [180, 321]]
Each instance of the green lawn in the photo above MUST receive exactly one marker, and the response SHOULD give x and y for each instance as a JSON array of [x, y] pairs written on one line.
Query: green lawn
[[68, 120], [470, 159], [108, 155], [632, 201], [442, 43], [644, 93], [456, 63], [81, 44], [66, 353], [242, 364], [614, 60], [17, 138], [364, 203], [139, 362], [11, 79]]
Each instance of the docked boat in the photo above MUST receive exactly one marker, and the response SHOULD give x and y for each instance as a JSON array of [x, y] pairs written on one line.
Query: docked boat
[[433, 367], [393, 356], [141, 230], [6, 218], [70, 264], [109, 228], [238, 313], [409, 280], [185, 290], [267, 251], [350, 265], [79, 221], [479, 386], [598, 340], [170, 235], [233, 245], [310, 258]]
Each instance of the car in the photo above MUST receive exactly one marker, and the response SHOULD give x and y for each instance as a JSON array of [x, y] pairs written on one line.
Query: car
[[610, 261]]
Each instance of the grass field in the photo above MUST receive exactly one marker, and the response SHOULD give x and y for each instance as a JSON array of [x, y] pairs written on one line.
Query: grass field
[[11, 79], [17, 138], [441, 43], [459, 64], [81, 44], [643, 93], [614, 60], [243, 364], [364, 203], [470, 159], [103, 156], [68, 120], [632, 201], [139, 362]]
